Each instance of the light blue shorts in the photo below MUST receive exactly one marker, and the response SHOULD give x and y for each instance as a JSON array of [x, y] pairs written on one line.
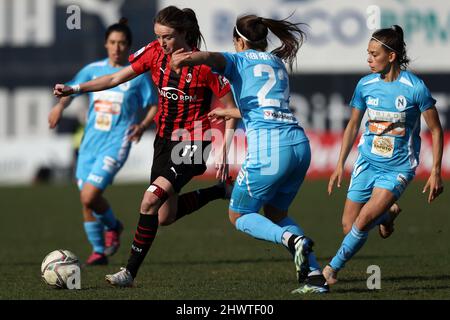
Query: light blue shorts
[[270, 177], [366, 176], [99, 170]]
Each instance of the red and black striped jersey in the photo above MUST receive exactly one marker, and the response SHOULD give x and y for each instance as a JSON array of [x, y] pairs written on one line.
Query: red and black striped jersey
[[184, 99]]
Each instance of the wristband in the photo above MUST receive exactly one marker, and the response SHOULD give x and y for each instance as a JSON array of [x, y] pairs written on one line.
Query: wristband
[[76, 88]]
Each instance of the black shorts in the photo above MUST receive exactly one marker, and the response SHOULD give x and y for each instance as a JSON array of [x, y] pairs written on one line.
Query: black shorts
[[179, 161]]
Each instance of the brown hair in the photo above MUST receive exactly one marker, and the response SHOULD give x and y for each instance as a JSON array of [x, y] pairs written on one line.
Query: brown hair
[[256, 30], [392, 39], [181, 20]]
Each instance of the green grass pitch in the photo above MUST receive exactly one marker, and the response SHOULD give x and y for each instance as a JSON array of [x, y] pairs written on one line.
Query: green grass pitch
[[203, 257]]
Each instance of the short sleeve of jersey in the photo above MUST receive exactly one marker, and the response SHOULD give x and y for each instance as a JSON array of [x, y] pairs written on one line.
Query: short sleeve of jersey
[[357, 99], [422, 97], [230, 67], [83, 75], [219, 85], [141, 60], [149, 95]]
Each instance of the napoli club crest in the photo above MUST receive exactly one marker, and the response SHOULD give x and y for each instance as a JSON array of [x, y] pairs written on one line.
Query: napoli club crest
[[400, 103]]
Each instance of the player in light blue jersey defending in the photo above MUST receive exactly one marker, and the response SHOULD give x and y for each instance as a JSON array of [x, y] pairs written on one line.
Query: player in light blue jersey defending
[[112, 125], [278, 154], [389, 149]]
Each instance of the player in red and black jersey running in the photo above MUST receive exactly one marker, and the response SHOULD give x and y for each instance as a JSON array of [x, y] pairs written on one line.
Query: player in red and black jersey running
[[182, 138]]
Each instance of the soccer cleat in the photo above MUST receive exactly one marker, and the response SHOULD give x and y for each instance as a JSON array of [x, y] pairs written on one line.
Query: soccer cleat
[[112, 239], [313, 284], [96, 259], [385, 230], [329, 274], [303, 247], [122, 278]]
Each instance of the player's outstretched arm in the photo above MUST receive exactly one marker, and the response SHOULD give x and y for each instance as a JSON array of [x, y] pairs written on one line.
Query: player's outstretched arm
[[99, 84], [434, 183], [180, 58], [350, 133]]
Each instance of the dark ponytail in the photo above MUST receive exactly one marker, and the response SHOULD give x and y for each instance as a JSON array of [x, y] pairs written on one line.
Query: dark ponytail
[[256, 29], [392, 39], [121, 26], [183, 20]]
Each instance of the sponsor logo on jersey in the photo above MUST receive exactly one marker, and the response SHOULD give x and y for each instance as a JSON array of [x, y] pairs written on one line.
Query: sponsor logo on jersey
[[372, 101], [385, 127], [279, 116], [383, 146], [176, 94], [400, 103], [378, 115]]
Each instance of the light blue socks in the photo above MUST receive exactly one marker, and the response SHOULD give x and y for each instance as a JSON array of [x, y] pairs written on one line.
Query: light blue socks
[[262, 228], [353, 241], [94, 232], [107, 219]]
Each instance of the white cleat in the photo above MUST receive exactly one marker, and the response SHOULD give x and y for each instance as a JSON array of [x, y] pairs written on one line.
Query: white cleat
[[122, 278], [303, 247]]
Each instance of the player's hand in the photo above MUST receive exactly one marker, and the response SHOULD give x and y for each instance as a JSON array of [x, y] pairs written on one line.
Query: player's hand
[[61, 90], [221, 165], [221, 171], [54, 116], [336, 177], [434, 185], [178, 59], [136, 132], [218, 115]]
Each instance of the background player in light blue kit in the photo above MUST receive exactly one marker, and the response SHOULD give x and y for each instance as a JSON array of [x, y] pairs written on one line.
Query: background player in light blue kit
[[389, 148], [112, 125], [278, 154]]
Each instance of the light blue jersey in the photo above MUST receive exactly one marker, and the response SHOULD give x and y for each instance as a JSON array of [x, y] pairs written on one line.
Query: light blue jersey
[[391, 139], [278, 154], [260, 86], [105, 146]]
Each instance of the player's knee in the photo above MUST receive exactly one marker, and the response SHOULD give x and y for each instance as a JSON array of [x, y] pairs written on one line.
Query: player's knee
[[346, 227], [149, 206], [233, 216], [88, 199]]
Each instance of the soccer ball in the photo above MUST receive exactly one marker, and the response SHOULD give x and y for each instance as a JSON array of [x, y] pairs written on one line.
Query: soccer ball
[[59, 268]]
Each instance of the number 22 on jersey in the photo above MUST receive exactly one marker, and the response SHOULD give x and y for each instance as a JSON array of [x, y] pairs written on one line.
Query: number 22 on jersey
[[272, 80]]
